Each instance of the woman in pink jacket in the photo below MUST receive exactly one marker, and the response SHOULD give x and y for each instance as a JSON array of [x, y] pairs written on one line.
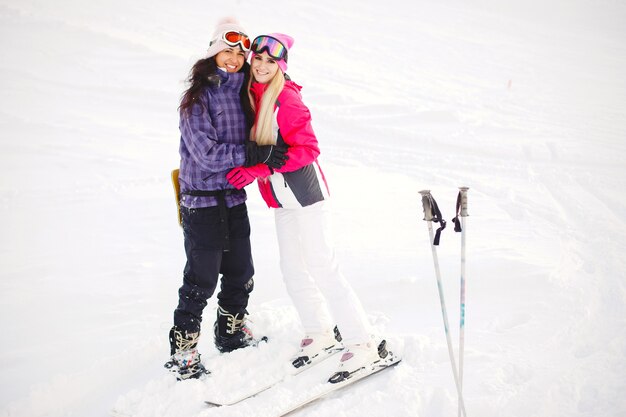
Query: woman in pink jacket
[[298, 192]]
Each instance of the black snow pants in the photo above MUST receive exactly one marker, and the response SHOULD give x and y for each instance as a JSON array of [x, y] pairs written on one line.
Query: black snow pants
[[217, 241]]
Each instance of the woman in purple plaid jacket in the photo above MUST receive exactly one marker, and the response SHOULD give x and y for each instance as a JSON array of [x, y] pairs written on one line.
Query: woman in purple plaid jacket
[[215, 124]]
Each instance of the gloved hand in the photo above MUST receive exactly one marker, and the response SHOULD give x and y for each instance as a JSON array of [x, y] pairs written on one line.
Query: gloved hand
[[241, 176], [271, 155]]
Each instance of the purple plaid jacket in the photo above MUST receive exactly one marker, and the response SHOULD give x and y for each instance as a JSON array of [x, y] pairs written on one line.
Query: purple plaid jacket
[[213, 136]]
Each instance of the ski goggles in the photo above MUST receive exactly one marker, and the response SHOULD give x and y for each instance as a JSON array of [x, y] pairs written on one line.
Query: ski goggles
[[272, 46], [234, 38]]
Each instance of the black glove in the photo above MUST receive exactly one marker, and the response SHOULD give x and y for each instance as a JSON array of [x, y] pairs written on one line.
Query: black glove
[[271, 155]]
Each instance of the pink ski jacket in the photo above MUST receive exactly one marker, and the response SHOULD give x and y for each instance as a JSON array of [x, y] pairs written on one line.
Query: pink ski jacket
[[300, 182]]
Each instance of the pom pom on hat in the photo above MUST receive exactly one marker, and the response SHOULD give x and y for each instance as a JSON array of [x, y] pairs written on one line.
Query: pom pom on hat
[[224, 25]]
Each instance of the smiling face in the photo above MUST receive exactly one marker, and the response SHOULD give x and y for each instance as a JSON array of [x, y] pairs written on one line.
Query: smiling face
[[231, 59], [263, 67]]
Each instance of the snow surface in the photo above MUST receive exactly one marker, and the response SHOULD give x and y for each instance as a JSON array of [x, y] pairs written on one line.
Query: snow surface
[[522, 101]]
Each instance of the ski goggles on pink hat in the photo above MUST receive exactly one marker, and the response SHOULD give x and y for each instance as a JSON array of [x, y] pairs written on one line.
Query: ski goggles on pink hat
[[272, 46], [234, 38]]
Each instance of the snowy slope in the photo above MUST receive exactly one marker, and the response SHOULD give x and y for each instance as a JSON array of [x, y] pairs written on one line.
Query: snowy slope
[[523, 102]]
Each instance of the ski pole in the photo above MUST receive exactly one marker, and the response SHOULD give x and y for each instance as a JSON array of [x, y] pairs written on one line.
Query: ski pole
[[432, 213], [460, 226]]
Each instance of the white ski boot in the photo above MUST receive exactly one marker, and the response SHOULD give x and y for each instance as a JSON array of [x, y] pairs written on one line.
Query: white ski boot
[[365, 357], [317, 346]]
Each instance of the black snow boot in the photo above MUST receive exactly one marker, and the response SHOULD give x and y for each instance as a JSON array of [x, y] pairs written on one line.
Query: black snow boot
[[231, 331], [185, 359]]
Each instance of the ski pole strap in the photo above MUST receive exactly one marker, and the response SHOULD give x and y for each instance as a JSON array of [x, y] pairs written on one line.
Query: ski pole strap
[[432, 213], [437, 218], [456, 220], [223, 210], [461, 208]]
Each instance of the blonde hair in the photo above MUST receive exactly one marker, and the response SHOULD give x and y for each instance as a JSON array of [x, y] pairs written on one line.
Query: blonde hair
[[262, 132]]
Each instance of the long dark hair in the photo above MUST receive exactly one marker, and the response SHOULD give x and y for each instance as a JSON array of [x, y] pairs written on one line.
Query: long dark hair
[[203, 74]]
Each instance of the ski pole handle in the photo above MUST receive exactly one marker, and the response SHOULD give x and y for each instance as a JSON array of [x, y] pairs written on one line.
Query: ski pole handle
[[463, 194], [426, 204]]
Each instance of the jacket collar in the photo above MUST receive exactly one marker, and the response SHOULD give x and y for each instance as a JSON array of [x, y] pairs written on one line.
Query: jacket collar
[[258, 89], [230, 79]]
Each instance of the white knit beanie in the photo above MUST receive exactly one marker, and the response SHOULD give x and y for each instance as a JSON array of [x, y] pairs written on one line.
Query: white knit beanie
[[224, 25]]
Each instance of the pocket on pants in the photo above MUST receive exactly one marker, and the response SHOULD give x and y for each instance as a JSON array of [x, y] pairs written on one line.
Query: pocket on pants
[[202, 228]]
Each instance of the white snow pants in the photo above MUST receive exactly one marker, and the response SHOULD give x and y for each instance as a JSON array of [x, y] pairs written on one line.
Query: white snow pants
[[320, 293]]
